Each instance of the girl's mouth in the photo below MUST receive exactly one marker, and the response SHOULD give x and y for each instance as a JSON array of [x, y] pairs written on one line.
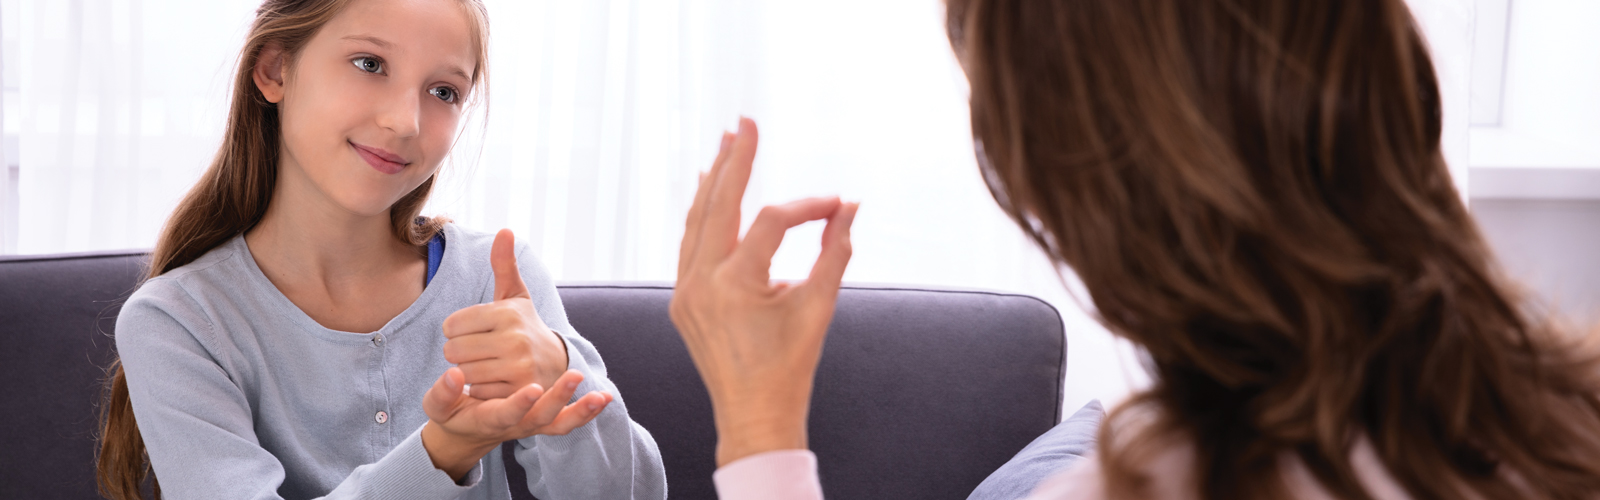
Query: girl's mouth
[[380, 160]]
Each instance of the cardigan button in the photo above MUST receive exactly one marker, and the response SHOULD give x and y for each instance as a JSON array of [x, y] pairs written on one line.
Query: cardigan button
[[377, 341], [381, 417]]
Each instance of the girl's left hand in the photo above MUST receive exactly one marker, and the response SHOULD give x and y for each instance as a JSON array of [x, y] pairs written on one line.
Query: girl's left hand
[[462, 429], [503, 346]]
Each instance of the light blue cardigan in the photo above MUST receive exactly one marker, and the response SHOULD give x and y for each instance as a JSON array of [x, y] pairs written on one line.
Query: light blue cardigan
[[240, 394]]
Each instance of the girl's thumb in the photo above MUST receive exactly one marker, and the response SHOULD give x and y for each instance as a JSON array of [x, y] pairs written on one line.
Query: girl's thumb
[[503, 258], [440, 401]]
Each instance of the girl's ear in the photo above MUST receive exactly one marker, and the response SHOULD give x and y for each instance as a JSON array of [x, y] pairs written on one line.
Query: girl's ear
[[268, 72]]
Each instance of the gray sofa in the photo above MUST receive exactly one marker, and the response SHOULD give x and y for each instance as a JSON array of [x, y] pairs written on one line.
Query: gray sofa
[[920, 394]]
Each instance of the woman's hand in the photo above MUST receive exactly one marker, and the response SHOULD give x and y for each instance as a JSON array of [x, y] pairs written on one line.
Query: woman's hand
[[755, 342], [462, 429], [503, 345]]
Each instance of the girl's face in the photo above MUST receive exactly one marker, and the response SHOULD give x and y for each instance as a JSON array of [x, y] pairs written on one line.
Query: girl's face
[[372, 104]]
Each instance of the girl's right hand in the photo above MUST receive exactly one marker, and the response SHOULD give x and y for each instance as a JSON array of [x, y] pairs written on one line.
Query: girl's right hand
[[462, 429]]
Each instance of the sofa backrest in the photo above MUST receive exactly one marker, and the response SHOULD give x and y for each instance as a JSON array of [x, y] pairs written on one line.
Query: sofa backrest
[[920, 394]]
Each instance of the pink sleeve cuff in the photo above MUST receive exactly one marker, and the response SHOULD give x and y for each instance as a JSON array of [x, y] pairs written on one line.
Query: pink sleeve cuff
[[776, 475]]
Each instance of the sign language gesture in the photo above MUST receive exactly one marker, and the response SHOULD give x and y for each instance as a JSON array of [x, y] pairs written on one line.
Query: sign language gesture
[[756, 343], [509, 357], [503, 345]]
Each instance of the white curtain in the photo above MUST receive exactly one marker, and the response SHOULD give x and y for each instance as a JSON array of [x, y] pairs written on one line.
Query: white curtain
[[120, 107], [601, 113]]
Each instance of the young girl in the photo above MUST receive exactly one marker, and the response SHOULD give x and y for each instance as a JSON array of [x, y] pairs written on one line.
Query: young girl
[[296, 335]]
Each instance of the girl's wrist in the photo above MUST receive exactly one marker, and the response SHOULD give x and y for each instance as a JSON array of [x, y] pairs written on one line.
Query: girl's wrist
[[452, 453]]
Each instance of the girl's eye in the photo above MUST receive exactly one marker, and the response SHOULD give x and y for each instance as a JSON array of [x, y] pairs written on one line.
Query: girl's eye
[[368, 64], [445, 94]]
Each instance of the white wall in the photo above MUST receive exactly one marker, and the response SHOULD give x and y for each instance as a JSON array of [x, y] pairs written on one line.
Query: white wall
[[1535, 149], [1552, 247]]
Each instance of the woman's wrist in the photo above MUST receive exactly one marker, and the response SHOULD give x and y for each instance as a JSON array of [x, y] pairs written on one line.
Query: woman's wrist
[[451, 453], [742, 434]]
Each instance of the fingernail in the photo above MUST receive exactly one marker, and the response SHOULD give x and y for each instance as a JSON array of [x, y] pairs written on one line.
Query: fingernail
[[594, 407], [572, 385], [727, 140], [744, 125]]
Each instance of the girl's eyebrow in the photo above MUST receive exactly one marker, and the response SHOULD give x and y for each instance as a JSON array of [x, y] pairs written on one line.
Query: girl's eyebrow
[[371, 39]]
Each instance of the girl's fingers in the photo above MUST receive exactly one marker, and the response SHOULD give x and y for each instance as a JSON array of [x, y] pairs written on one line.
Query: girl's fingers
[[548, 406], [472, 319], [491, 390], [492, 370], [577, 414], [828, 271], [754, 254], [696, 217], [500, 414], [719, 233], [472, 348], [440, 402]]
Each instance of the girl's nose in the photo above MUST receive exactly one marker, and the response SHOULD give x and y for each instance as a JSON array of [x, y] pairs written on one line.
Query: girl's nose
[[402, 115]]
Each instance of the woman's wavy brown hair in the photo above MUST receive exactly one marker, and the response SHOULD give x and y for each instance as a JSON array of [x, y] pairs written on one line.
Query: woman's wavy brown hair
[[232, 196], [1253, 192]]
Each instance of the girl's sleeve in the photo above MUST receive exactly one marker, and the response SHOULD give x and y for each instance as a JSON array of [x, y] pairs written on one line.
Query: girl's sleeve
[[197, 423], [611, 457]]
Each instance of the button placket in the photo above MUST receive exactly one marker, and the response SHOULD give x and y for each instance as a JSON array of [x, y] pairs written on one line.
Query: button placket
[[382, 417]]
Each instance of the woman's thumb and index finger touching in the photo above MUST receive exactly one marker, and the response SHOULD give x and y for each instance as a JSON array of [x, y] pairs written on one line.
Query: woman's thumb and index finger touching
[[711, 235]]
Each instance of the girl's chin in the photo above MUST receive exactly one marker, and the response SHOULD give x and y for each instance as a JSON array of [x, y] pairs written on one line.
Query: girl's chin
[[372, 204]]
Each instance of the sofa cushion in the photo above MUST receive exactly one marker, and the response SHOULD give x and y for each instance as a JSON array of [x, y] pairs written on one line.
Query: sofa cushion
[[56, 318]]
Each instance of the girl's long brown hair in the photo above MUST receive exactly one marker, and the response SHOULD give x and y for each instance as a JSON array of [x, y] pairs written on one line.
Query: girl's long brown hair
[[1253, 192], [232, 196]]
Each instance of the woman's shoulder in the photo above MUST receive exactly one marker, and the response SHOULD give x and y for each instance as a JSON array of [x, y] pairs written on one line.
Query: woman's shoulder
[[1081, 481], [1167, 471]]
